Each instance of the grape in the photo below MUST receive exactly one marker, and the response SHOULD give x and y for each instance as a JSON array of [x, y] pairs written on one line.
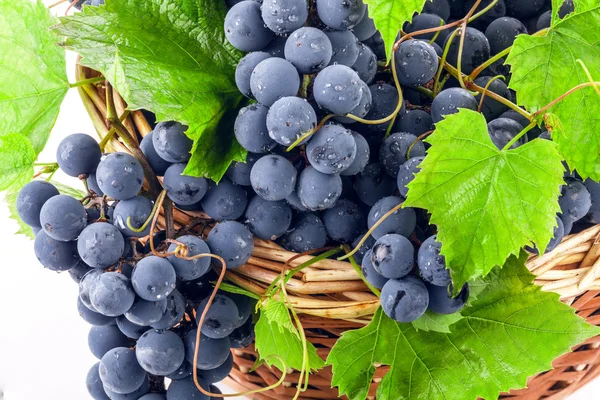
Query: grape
[[364, 248], [502, 32], [244, 27], [341, 14], [376, 44], [153, 396], [251, 131], [224, 201], [184, 370], [407, 173], [416, 62], [366, 64], [94, 384], [416, 122], [491, 108], [268, 220], [138, 209], [402, 221], [369, 272], [544, 21], [183, 189], [120, 371], [362, 109], [188, 270], [221, 318], [135, 395], [393, 256], [92, 317], [404, 300], [365, 28], [476, 53], [289, 118], [385, 100], [337, 89], [185, 389], [593, 188], [273, 79], [111, 294], [307, 233], [559, 233], [523, 9], [344, 46], [101, 339], [244, 69], [427, 20], [239, 172], [497, 11], [523, 121], [100, 245], [174, 312], [361, 159], [566, 8], [158, 164], [160, 352], [54, 254], [332, 149], [31, 199], [232, 241], [442, 302], [153, 278], [308, 49], [503, 130], [78, 154], [63, 218], [448, 102], [284, 16], [438, 7], [129, 329], [277, 46], [373, 184], [394, 151], [86, 285], [243, 336], [318, 191], [432, 265], [344, 221], [245, 306], [575, 200], [294, 201], [92, 184], [120, 176], [273, 177], [195, 291], [145, 313], [219, 373], [211, 352], [78, 271]]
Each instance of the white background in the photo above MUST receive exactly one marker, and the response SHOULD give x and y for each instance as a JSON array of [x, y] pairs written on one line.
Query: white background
[[43, 341]]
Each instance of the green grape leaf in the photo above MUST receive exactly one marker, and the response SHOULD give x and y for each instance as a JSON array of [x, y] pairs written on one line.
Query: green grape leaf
[[389, 17], [432, 322], [486, 203], [228, 287], [10, 197], [16, 161], [170, 57], [33, 81], [512, 331], [277, 335], [546, 67]]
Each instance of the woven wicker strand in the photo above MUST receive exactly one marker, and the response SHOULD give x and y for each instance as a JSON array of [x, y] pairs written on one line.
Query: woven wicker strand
[[331, 297]]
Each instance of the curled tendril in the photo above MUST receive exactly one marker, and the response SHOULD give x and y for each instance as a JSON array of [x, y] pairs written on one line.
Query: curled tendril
[[486, 88]]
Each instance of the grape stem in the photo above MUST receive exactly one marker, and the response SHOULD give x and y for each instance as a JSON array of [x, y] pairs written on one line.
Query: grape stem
[[352, 260], [88, 81], [514, 140], [565, 95], [475, 73], [463, 34], [486, 90], [437, 86]]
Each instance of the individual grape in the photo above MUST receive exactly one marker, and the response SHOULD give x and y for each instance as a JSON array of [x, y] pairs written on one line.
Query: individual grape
[[245, 306], [491, 108], [92, 317], [497, 11], [268, 220], [344, 46], [120, 372], [393, 256], [135, 210], [92, 184], [318, 191], [232, 241], [364, 248], [523, 121], [276, 48], [188, 270], [344, 221], [135, 395], [160, 352], [153, 278], [211, 352], [251, 131], [63, 218], [55, 254], [243, 336], [416, 62], [185, 389], [31, 199], [307, 233], [448, 101], [195, 291], [544, 21], [427, 20], [363, 152], [404, 300], [523, 9], [366, 64], [174, 312], [365, 28], [559, 234], [384, 103], [566, 8], [101, 339], [217, 374], [289, 118], [593, 215], [308, 49], [341, 14], [158, 164], [93, 383], [503, 130], [239, 172], [369, 272], [184, 370], [146, 313], [79, 270], [442, 302], [244, 69], [171, 143], [431, 264], [294, 201], [273, 177], [183, 189], [284, 16], [473, 55], [111, 294], [100, 245], [78, 154], [376, 44], [502, 32], [394, 151], [332, 149], [224, 201], [363, 107], [129, 329], [273, 79], [153, 396], [120, 176], [402, 221], [337, 89], [575, 200], [373, 184], [85, 287], [416, 122], [221, 318], [244, 27], [438, 7], [407, 173]]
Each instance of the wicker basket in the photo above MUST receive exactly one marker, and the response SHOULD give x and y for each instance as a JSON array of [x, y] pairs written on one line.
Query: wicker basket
[[331, 297]]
